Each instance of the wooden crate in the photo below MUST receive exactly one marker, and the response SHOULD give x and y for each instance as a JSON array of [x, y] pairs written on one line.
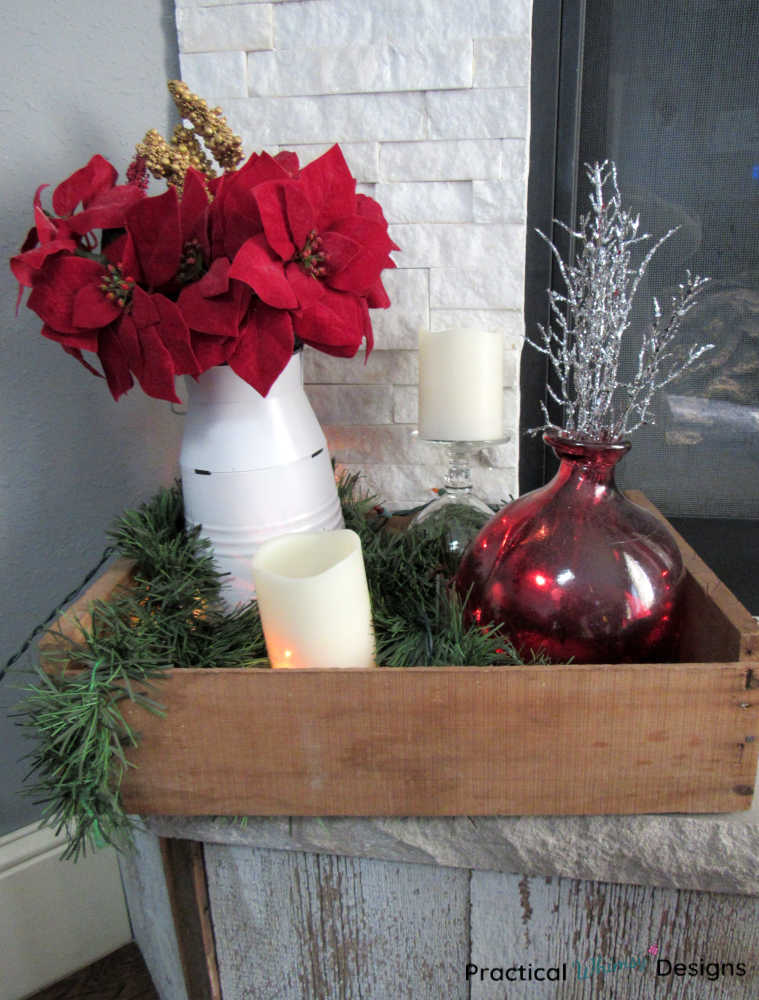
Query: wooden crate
[[440, 741]]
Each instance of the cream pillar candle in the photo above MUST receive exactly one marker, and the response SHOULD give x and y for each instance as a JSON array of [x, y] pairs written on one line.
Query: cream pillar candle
[[461, 385], [314, 600]]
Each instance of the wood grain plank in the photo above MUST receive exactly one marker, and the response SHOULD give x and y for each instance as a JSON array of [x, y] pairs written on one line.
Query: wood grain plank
[[184, 871], [150, 914], [449, 741], [546, 922], [716, 625], [295, 925]]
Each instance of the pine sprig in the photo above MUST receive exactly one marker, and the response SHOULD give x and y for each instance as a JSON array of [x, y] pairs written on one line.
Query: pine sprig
[[172, 617]]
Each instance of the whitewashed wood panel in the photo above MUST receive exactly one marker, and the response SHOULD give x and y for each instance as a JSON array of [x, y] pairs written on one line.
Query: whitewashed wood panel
[[295, 925], [150, 915], [544, 922]]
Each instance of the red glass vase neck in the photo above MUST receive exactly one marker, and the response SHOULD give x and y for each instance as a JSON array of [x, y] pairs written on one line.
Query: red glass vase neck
[[591, 462]]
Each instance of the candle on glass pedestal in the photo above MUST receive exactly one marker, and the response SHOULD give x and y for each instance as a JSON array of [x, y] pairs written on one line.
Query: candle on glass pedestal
[[314, 600], [460, 385]]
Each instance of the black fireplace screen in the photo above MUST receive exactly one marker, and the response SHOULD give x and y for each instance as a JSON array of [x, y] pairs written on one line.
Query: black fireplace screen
[[670, 92]]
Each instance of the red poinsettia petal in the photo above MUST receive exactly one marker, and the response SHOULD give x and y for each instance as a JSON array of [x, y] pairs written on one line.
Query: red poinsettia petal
[[85, 340], [154, 225], [234, 215], [368, 332], [339, 251], [105, 211], [377, 297], [83, 185], [300, 214], [44, 225], [307, 288], [27, 264], [76, 353], [31, 240], [56, 287], [270, 198], [330, 187], [363, 271], [144, 309], [211, 351], [193, 210], [175, 335], [334, 325], [289, 160], [371, 209], [114, 362], [219, 315], [92, 309], [158, 373], [257, 266], [261, 167], [131, 346], [119, 250], [216, 280], [265, 347]]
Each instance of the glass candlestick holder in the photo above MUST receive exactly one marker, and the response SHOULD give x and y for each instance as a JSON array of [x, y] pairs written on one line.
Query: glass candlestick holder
[[457, 514]]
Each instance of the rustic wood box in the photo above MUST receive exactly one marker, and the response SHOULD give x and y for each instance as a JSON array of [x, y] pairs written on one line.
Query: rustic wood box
[[442, 741]]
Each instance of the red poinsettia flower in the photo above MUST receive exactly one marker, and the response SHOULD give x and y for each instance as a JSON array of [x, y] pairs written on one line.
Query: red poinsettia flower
[[104, 205], [88, 306], [234, 214], [166, 243], [230, 325], [319, 239]]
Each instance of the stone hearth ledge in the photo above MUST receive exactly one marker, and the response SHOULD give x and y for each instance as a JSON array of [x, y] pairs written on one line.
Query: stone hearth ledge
[[711, 853]]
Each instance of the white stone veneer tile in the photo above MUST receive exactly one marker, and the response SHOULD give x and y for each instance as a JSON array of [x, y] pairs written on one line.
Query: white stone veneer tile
[[405, 404], [215, 76], [224, 28], [351, 404], [426, 201], [382, 367], [464, 245], [502, 62], [498, 201], [444, 159], [478, 114], [358, 69], [397, 328], [347, 22], [331, 118], [483, 288]]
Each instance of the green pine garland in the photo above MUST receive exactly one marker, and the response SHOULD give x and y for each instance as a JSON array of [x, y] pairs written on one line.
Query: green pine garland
[[172, 617]]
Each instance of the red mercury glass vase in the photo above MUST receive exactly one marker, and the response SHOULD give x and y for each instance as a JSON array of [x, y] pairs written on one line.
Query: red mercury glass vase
[[575, 570]]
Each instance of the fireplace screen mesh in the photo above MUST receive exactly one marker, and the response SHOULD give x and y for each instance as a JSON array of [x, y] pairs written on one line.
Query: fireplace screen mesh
[[671, 94]]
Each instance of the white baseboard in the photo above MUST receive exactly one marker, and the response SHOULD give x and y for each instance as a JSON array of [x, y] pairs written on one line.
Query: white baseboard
[[55, 916]]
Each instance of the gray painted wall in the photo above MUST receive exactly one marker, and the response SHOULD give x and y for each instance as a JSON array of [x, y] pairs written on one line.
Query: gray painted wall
[[81, 77]]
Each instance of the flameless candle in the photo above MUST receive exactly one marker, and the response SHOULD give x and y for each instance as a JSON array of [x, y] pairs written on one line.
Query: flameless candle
[[314, 600], [461, 385]]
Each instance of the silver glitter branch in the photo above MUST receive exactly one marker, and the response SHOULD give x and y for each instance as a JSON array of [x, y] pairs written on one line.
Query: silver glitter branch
[[584, 338]]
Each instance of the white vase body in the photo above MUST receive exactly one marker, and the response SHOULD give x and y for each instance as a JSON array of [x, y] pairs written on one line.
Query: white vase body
[[254, 467]]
